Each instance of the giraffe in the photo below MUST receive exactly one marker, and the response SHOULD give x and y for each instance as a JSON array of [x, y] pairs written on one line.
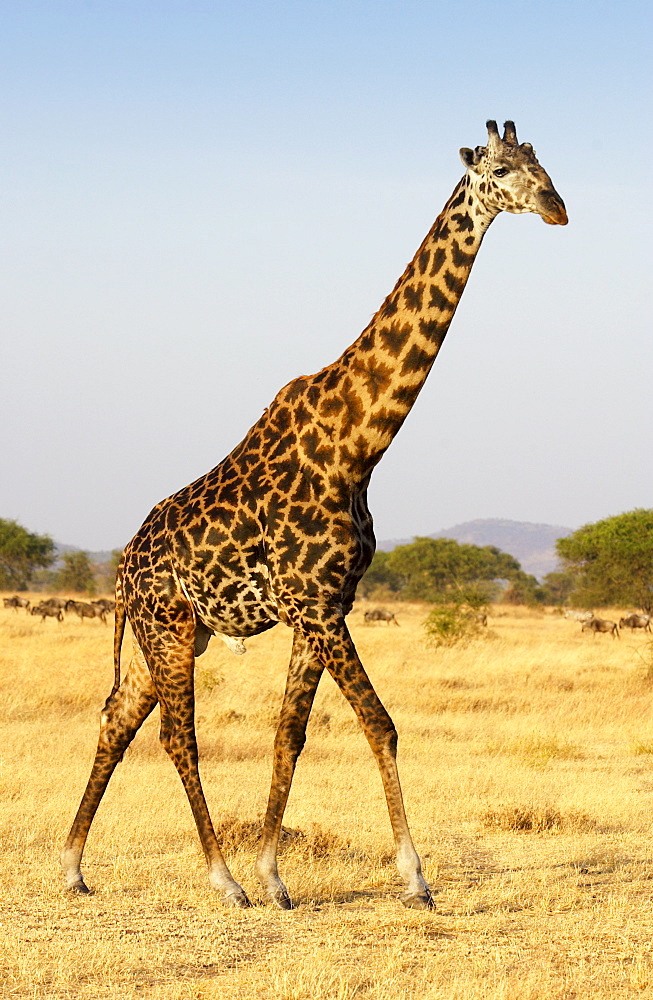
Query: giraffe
[[280, 531]]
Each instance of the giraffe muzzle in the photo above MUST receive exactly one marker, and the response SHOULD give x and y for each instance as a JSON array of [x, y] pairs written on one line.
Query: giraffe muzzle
[[553, 209]]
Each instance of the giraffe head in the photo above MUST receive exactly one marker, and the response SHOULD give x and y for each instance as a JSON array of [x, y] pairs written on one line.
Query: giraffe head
[[508, 178]]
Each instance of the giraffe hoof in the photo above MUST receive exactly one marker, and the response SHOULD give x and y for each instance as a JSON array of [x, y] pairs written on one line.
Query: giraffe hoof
[[418, 900], [282, 900], [80, 888], [237, 899]]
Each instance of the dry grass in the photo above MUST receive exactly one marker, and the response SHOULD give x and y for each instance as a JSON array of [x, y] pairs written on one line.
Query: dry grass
[[527, 764]]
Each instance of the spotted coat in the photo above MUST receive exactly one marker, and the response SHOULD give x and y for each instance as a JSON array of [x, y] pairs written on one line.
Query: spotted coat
[[280, 530]]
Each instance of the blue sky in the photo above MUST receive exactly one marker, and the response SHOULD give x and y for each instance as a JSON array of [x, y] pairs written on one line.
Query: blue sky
[[202, 200]]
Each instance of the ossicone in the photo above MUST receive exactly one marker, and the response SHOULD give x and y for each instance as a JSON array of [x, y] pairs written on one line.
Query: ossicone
[[510, 133]]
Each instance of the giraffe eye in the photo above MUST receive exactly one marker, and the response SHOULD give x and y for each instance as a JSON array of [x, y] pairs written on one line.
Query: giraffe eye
[[501, 172]]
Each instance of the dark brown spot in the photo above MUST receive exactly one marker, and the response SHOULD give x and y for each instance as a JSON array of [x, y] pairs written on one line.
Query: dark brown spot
[[454, 283], [458, 257], [416, 360], [439, 257], [331, 406], [413, 296], [439, 300], [353, 409], [458, 199], [376, 376], [389, 307], [393, 338], [302, 415], [407, 394], [440, 231], [463, 221], [432, 330], [387, 421], [316, 450]]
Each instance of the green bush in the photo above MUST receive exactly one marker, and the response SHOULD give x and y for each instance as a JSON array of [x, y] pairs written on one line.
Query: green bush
[[455, 623]]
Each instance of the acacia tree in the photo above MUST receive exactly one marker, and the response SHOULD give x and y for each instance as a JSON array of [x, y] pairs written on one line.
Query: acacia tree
[[612, 560], [105, 573], [21, 553], [76, 574], [441, 570], [380, 578], [558, 587], [524, 589], [438, 569]]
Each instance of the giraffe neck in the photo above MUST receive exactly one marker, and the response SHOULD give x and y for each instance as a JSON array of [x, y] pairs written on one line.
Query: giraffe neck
[[359, 402]]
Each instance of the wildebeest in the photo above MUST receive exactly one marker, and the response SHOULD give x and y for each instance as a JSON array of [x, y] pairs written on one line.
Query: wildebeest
[[85, 610], [55, 602], [636, 621], [578, 616], [600, 625], [47, 611], [380, 615], [105, 604], [16, 602]]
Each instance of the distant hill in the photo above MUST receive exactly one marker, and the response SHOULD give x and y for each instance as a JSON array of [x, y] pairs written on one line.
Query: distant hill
[[95, 557], [532, 544]]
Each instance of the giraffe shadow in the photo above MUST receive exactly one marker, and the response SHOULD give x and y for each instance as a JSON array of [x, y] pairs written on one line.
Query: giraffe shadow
[[368, 899]]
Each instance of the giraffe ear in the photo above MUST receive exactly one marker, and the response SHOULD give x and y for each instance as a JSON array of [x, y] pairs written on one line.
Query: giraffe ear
[[467, 156], [471, 157]]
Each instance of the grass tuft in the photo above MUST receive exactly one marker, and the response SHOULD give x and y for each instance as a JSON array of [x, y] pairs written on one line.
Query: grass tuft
[[535, 819], [537, 751], [244, 835]]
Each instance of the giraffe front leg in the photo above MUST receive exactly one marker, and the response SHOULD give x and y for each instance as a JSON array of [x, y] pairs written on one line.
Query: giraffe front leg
[[333, 645], [303, 678]]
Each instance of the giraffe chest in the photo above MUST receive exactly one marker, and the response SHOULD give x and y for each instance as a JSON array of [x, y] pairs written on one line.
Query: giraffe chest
[[241, 555], [245, 587]]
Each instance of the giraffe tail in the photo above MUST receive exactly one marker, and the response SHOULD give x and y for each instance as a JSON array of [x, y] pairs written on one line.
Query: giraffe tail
[[118, 630]]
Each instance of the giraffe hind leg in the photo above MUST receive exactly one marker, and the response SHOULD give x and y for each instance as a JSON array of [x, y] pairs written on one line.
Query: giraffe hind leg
[[171, 667], [126, 709], [332, 644]]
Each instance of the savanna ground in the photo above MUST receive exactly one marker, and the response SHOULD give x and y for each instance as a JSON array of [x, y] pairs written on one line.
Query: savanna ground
[[527, 765]]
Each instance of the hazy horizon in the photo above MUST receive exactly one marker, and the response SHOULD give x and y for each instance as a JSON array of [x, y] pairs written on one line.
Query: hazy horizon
[[382, 543]]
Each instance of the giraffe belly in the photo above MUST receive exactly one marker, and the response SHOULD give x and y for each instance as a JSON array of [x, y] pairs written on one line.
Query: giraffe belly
[[234, 609]]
